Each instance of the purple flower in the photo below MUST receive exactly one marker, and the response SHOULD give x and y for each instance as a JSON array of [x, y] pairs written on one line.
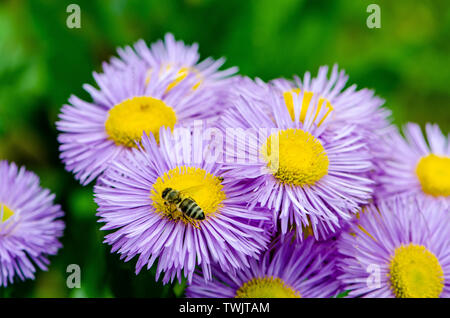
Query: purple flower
[[29, 225], [137, 198], [414, 166], [286, 270], [129, 101], [308, 171], [145, 89], [398, 248]]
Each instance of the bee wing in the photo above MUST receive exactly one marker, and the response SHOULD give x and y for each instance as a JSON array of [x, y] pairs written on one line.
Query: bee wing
[[191, 189]]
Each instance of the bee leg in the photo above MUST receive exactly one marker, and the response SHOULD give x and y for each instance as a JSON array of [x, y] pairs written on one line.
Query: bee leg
[[195, 224], [173, 213], [191, 221]]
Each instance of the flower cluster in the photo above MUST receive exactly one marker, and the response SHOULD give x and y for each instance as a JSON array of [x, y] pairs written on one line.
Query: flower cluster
[[247, 188], [244, 188]]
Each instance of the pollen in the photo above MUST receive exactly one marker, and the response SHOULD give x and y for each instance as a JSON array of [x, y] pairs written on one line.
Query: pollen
[[128, 120], [415, 272], [266, 287], [5, 213], [295, 157], [204, 188], [433, 173], [323, 107]]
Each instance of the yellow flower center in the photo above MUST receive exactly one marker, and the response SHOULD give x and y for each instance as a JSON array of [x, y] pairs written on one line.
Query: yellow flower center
[[415, 273], [266, 287], [5, 212], [128, 120], [191, 182], [295, 157], [306, 103], [434, 175]]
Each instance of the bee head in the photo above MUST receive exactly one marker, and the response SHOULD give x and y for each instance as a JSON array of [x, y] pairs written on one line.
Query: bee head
[[166, 192]]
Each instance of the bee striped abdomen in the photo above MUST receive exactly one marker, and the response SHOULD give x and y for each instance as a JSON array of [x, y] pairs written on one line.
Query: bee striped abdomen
[[191, 209]]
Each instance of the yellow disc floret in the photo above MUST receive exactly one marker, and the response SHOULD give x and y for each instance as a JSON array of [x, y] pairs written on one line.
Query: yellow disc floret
[[5, 212], [415, 272], [433, 173], [266, 287], [204, 188], [128, 120], [295, 157]]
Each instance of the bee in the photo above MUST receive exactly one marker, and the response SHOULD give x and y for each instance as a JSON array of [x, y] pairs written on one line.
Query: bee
[[184, 204]]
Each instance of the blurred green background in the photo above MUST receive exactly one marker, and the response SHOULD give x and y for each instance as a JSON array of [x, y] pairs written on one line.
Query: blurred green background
[[42, 62]]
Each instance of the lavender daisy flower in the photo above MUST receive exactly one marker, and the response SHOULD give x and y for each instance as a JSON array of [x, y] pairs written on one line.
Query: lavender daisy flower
[[142, 197], [29, 229], [415, 166], [305, 171], [286, 270], [92, 134], [176, 56], [400, 249], [181, 61]]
